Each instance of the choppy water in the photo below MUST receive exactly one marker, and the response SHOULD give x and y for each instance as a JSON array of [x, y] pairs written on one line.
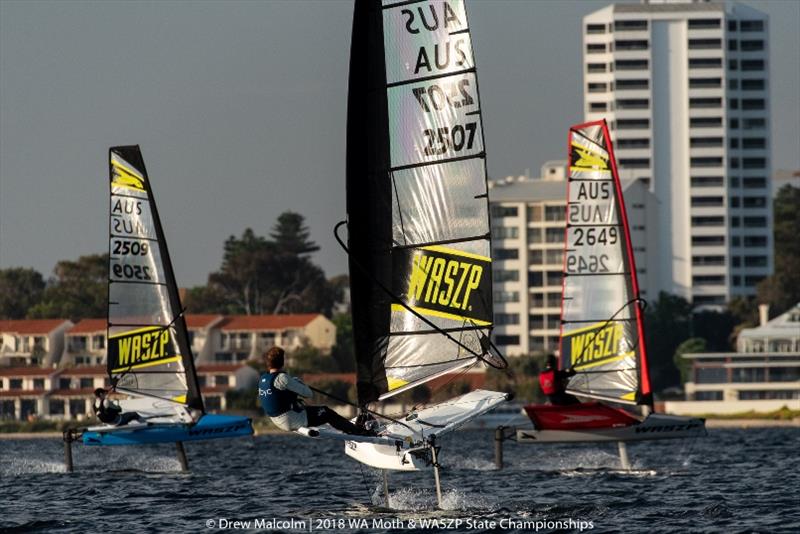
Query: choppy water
[[732, 481]]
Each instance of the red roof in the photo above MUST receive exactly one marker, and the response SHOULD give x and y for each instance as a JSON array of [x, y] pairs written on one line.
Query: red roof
[[267, 322], [215, 389], [27, 371], [23, 393], [220, 368], [88, 326], [88, 370], [85, 392], [30, 326], [201, 320]]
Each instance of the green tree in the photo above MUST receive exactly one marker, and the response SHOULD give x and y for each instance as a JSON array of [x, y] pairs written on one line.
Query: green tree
[[684, 366], [667, 324], [782, 289], [308, 359], [20, 290], [291, 235], [520, 378], [208, 299], [78, 290], [343, 352]]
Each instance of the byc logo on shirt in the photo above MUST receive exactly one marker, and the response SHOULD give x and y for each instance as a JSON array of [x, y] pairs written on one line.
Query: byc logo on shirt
[[264, 392]]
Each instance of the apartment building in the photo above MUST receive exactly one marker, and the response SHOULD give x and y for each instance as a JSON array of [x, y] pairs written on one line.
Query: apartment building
[[246, 337], [37, 342], [685, 88]]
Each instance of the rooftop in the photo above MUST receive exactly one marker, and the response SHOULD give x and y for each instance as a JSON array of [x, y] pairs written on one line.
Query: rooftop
[[89, 326], [201, 320], [786, 325], [30, 326], [267, 322]]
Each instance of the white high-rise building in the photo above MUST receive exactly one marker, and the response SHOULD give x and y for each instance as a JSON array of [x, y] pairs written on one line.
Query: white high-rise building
[[528, 222], [685, 88]]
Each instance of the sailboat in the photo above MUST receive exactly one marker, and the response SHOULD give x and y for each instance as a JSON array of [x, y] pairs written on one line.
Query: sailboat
[[602, 329], [149, 359], [418, 236]]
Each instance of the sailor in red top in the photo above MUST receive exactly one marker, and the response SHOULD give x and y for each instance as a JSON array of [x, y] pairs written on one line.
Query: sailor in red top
[[553, 382]]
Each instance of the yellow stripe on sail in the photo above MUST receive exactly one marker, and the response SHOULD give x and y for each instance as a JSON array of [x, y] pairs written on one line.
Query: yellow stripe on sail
[[580, 367], [137, 331], [395, 383], [146, 364], [126, 178], [180, 398], [629, 396], [444, 315]]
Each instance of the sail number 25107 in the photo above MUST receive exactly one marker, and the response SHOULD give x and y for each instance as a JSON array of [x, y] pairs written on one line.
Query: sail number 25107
[[444, 139]]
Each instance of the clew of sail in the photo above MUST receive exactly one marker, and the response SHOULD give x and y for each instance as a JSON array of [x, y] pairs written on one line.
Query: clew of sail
[[417, 203], [601, 333], [148, 348]]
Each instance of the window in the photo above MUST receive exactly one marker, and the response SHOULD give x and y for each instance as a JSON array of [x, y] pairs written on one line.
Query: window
[[99, 342], [555, 213], [734, 163], [506, 254], [598, 106], [734, 202], [703, 24], [753, 103], [733, 103], [38, 383], [731, 28], [752, 64], [708, 396], [77, 407], [733, 45], [56, 407], [755, 202], [64, 383], [755, 261], [631, 64], [15, 383], [707, 202], [755, 222], [554, 235], [504, 211], [202, 380], [596, 67], [734, 124], [708, 260], [633, 103], [506, 340], [555, 257], [711, 375], [633, 143], [213, 403], [506, 318], [737, 262], [630, 25], [755, 183], [705, 162], [705, 103], [708, 221], [733, 64], [753, 124], [706, 181], [735, 241], [635, 124], [595, 48], [704, 122], [705, 63], [502, 232], [534, 235], [506, 296], [597, 87], [754, 163], [634, 163], [221, 380], [554, 300], [86, 383], [77, 343], [752, 45], [733, 142], [708, 240], [752, 25], [753, 85], [630, 44], [535, 257], [708, 280], [505, 276], [595, 28], [754, 142], [733, 83], [704, 83], [704, 44], [752, 281], [628, 85], [703, 142]]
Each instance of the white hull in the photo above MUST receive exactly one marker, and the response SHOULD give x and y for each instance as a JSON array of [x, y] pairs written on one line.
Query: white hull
[[655, 426], [414, 437]]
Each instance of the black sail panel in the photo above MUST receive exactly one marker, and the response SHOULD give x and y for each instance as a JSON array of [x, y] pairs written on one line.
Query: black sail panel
[[148, 346], [417, 203]]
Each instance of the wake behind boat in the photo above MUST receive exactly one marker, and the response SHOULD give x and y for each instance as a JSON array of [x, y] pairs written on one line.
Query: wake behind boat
[[149, 360], [602, 332]]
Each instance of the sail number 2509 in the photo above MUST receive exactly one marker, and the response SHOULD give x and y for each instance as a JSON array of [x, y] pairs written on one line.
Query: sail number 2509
[[442, 140]]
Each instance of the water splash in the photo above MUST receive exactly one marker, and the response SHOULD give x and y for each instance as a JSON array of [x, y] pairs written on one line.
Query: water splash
[[26, 466]]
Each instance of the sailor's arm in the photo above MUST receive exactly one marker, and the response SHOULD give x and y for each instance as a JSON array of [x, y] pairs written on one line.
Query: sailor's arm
[[290, 383]]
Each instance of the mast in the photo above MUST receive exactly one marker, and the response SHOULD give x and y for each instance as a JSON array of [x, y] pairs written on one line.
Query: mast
[[417, 202], [602, 334], [148, 347]]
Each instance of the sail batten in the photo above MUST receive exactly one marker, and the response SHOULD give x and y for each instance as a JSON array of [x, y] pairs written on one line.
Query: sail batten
[[420, 255], [601, 318], [149, 353]]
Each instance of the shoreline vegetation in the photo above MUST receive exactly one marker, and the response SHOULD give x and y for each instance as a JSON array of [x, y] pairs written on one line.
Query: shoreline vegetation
[[783, 417]]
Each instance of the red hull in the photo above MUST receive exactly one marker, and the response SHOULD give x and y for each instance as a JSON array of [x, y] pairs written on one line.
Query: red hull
[[587, 415]]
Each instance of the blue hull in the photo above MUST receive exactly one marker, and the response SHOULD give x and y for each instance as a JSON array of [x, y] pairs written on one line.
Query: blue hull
[[208, 427]]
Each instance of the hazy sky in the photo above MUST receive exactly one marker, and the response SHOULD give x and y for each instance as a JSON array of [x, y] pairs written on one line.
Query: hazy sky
[[239, 108]]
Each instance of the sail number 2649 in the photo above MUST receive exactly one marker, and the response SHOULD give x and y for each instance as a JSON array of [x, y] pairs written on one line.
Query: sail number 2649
[[442, 140]]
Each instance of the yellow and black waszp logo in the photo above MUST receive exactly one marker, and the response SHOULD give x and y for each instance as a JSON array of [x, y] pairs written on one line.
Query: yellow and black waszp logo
[[585, 159], [140, 348], [594, 345], [444, 282], [124, 176]]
